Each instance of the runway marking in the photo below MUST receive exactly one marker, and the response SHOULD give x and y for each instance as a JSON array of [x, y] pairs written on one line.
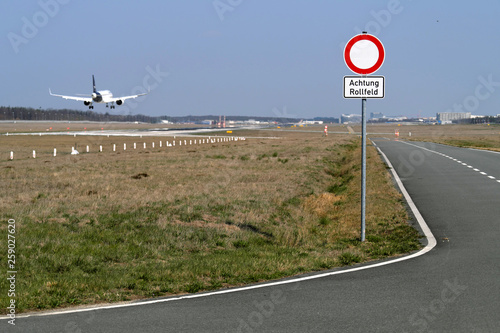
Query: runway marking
[[423, 225], [454, 159]]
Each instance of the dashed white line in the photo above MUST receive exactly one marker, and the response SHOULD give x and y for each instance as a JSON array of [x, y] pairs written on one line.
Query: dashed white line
[[456, 160]]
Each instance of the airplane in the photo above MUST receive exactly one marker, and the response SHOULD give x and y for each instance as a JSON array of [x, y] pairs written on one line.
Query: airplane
[[103, 96]]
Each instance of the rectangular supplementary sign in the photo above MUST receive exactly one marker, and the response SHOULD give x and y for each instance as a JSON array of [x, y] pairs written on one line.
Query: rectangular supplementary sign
[[364, 86]]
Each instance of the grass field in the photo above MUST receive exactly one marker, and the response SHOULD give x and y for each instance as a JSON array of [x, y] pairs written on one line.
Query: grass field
[[117, 226]]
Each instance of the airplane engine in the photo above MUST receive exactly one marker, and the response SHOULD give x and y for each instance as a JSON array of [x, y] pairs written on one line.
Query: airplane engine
[[86, 103], [119, 102]]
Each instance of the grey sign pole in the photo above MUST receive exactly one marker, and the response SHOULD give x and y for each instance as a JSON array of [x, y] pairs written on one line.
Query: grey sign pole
[[363, 167]]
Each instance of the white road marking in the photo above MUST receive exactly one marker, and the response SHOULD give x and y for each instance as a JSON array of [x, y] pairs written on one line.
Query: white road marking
[[454, 159], [488, 151]]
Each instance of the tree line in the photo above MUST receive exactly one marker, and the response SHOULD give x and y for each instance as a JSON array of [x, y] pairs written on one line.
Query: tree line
[[23, 113], [8, 113]]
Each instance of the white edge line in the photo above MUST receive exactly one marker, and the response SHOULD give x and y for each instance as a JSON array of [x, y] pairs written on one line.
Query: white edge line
[[486, 150], [423, 225], [425, 228]]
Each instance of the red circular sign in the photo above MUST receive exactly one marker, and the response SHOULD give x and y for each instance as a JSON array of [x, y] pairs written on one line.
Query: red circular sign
[[364, 54]]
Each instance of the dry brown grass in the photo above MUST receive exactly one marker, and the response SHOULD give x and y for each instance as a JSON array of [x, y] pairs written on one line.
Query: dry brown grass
[[188, 218]]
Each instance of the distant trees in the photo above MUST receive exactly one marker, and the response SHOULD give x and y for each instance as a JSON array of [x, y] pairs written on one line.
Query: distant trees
[[480, 120], [22, 113]]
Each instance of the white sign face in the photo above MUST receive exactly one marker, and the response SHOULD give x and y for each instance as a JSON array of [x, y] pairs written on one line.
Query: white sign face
[[364, 87], [364, 54]]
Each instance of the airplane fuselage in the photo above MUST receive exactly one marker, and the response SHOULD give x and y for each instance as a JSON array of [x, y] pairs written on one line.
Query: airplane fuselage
[[103, 96]]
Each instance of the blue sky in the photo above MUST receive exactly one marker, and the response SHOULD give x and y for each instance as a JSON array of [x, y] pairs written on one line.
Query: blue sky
[[255, 58]]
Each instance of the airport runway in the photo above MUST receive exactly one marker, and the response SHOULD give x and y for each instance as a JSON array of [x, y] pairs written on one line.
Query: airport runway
[[187, 132], [453, 288]]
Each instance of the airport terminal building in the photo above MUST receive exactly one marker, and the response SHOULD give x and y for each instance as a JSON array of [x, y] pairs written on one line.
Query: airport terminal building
[[448, 117]]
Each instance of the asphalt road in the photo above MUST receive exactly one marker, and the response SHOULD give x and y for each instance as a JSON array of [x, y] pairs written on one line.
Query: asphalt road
[[455, 287]]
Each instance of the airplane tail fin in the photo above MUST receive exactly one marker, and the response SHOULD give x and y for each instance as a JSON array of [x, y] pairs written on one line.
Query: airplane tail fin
[[93, 82]]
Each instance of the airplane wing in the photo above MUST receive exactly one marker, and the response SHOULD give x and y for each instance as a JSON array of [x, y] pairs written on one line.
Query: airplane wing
[[75, 98], [114, 99]]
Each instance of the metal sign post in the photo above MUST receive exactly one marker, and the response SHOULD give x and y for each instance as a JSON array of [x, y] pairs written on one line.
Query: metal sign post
[[364, 54], [363, 168]]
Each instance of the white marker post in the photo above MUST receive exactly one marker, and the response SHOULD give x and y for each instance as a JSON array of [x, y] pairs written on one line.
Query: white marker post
[[364, 54], [55, 152]]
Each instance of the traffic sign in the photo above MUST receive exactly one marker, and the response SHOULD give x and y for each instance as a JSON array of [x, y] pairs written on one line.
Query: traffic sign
[[364, 87], [364, 54]]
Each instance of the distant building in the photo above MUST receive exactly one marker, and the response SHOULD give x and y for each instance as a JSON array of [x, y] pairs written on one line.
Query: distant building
[[448, 117], [376, 115], [350, 118], [311, 122]]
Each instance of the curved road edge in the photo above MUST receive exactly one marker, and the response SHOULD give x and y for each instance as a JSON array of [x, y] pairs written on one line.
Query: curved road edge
[[431, 240], [431, 243]]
